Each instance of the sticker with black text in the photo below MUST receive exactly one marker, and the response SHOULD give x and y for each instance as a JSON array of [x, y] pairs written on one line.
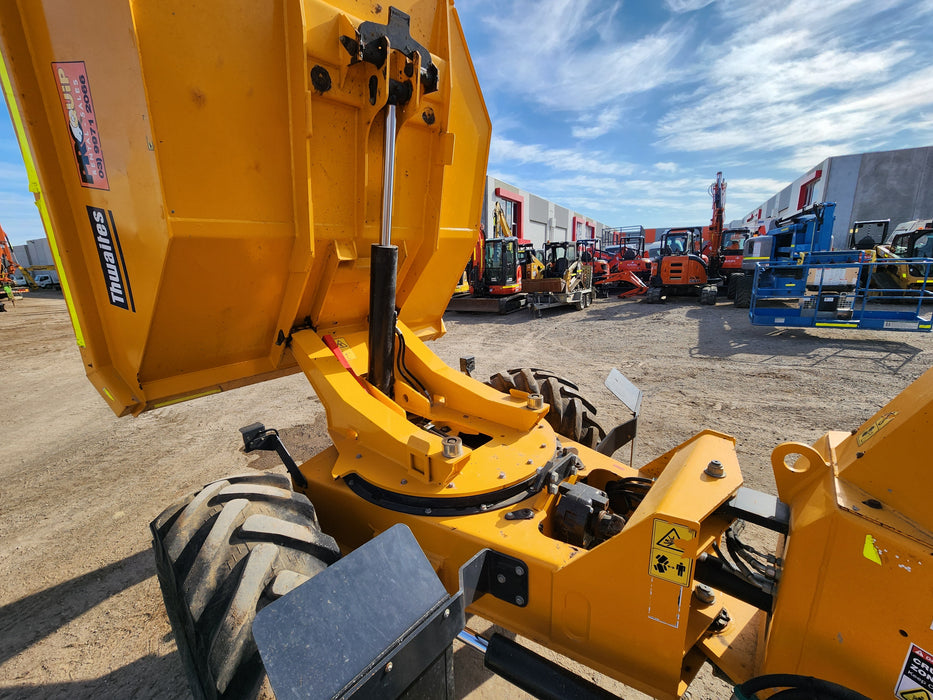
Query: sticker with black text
[[74, 91]]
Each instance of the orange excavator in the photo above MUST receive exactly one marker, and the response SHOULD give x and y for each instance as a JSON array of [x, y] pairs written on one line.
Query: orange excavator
[[682, 267], [8, 268], [622, 265]]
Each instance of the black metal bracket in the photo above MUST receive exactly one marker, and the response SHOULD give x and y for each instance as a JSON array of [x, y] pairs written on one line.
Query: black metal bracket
[[555, 471], [373, 40], [257, 437], [618, 437], [468, 364], [500, 575], [762, 509]]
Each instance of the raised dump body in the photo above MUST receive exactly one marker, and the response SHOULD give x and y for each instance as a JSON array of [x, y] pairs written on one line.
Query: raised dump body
[[212, 176]]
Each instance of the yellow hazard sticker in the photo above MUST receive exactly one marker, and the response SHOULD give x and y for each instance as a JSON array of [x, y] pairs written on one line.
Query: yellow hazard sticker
[[914, 695], [668, 560], [875, 428], [345, 348]]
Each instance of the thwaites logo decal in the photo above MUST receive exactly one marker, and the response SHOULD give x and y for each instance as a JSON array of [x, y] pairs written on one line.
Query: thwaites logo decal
[[74, 90], [112, 263]]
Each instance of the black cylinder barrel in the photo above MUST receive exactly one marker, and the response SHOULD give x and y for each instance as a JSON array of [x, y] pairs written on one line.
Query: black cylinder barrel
[[536, 675], [382, 275]]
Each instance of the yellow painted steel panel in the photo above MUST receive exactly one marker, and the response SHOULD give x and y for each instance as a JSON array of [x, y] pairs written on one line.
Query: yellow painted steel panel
[[214, 174]]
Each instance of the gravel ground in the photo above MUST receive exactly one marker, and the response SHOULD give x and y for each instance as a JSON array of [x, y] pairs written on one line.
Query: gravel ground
[[80, 609]]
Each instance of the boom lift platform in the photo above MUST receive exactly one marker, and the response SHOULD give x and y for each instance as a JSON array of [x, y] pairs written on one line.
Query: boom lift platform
[[439, 494], [837, 295]]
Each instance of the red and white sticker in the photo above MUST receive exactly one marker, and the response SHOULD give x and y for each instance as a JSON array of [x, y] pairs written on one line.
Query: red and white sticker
[[74, 90], [916, 681]]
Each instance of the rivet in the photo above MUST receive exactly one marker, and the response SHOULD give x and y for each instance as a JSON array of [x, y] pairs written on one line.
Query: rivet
[[502, 474], [447, 613], [389, 667], [450, 485], [404, 481]]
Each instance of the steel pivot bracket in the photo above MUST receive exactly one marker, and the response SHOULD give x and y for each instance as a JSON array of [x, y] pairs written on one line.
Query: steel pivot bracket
[[257, 437]]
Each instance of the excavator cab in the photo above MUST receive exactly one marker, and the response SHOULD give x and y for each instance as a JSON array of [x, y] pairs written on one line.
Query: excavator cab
[[681, 267], [501, 272], [733, 240]]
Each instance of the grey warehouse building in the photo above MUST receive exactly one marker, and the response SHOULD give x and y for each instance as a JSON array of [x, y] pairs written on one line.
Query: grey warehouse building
[[534, 218], [895, 185]]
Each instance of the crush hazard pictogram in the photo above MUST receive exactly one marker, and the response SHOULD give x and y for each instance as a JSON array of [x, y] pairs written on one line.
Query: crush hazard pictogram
[[668, 561], [668, 540]]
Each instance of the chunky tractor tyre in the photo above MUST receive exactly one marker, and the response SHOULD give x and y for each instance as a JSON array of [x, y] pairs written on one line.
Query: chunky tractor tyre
[[571, 415], [730, 286], [222, 554], [743, 291], [708, 295]]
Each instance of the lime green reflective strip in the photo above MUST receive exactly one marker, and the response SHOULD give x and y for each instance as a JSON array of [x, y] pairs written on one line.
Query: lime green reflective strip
[[33, 177], [186, 398], [108, 394], [925, 325], [869, 551], [839, 325]]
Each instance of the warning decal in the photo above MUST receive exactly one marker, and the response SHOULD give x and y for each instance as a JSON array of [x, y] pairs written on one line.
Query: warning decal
[[74, 91], [874, 428], [345, 348], [916, 681], [668, 561]]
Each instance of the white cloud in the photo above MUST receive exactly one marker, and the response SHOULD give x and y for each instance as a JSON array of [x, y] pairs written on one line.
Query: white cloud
[[686, 5], [502, 150], [570, 59], [604, 122], [666, 167], [816, 81]]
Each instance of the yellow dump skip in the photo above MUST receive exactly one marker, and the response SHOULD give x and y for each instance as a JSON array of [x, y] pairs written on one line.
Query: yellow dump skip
[[214, 177]]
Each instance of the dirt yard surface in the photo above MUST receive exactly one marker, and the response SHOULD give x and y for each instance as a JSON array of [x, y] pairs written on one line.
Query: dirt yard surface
[[80, 610]]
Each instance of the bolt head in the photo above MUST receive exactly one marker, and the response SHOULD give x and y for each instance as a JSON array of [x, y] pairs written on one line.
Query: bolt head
[[519, 600], [388, 667]]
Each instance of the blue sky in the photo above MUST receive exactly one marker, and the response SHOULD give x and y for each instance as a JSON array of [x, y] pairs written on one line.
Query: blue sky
[[625, 111]]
